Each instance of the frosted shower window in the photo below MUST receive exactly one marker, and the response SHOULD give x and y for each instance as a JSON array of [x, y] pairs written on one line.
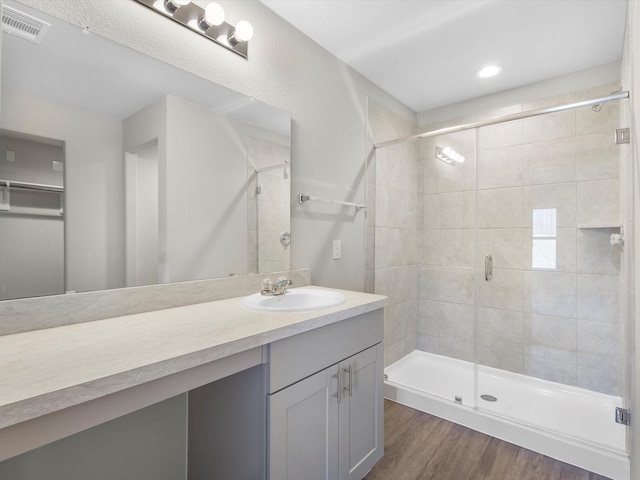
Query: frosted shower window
[[543, 249]]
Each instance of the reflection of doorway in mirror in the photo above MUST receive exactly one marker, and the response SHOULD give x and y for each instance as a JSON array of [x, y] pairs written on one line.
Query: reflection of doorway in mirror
[[31, 216], [543, 250], [141, 204]]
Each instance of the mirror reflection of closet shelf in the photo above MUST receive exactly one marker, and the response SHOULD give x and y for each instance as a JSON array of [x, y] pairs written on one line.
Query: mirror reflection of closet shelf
[[5, 197]]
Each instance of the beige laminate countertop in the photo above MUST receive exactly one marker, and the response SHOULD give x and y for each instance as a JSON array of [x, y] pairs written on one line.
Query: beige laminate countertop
[[44, 371]]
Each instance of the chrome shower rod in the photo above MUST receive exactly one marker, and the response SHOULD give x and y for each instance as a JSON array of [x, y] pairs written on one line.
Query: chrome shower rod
[[507, 118]]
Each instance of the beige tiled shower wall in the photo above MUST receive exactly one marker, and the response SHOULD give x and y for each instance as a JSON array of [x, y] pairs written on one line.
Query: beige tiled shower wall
[[559, 322], [392, 220]]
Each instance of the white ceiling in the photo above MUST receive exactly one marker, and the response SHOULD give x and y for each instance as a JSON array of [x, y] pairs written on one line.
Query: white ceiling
[[426, 52]]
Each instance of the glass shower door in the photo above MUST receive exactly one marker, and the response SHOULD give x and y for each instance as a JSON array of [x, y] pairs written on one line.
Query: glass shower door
[[548, 306]]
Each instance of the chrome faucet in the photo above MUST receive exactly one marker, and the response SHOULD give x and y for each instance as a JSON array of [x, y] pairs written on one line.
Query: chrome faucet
[[278, 288]]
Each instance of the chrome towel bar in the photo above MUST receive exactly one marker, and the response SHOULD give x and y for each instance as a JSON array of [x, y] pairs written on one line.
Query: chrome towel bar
[[305, 198]]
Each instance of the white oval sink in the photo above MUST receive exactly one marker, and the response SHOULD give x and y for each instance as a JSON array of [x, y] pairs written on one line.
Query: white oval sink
[[295, 300]]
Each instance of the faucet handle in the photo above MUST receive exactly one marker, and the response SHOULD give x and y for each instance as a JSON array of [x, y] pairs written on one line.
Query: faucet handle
[[284, 281], [266, 286], [280, 287]]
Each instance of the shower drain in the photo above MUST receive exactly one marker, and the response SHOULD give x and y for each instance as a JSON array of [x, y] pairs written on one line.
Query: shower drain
[[488, 398]]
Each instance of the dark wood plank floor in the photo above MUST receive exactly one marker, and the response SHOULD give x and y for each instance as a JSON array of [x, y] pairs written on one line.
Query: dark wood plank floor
[[419, 446]]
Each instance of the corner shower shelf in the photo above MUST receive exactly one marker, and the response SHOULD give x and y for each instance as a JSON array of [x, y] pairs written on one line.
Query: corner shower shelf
[[614, 238], [593, 226]]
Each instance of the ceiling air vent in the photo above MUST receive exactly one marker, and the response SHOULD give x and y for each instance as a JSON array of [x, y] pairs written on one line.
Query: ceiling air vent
[[22, 25]]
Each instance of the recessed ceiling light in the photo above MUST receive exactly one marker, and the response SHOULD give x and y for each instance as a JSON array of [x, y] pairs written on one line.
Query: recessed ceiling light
[[489, 71]]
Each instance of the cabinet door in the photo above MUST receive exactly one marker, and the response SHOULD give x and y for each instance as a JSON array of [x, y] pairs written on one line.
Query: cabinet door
[[303, 429], [361, 413]]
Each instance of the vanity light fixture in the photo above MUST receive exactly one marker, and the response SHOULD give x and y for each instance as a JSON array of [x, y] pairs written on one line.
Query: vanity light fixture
[[448, 155], [208, 22]]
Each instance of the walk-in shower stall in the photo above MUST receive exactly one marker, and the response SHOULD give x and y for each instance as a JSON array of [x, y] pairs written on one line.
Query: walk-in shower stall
[[507, 274]]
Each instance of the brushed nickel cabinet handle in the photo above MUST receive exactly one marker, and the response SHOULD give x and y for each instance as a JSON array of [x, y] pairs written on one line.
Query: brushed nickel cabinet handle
[[350, 372], [338, 378]]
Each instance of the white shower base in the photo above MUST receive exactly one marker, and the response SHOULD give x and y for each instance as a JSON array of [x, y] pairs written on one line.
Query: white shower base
[[570, 424]]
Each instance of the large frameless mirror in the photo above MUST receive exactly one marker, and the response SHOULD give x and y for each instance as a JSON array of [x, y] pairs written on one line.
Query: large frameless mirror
[[118, 170]]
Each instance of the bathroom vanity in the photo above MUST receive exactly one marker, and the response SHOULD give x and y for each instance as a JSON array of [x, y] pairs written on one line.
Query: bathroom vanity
[[325, 409], [269, 394]]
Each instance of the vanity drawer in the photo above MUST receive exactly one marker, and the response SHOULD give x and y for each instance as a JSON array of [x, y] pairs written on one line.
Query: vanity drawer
[[294, 358]]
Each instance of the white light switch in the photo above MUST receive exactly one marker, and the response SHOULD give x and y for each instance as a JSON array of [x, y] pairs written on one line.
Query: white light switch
[[337, 249], [11, 156]]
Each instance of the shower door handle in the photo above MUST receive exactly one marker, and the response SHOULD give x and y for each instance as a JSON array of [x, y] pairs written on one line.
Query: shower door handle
[[488, 268]]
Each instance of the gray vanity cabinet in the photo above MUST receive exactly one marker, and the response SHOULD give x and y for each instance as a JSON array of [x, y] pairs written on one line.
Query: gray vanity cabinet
[[325, 406], [303, 430], [361, 413]]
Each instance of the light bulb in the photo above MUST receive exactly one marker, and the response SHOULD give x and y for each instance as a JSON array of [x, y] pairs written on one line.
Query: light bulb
[[243, 31], [173, 5], [213, 15]]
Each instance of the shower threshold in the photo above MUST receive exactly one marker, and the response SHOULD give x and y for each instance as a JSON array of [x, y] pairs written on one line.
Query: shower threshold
[[567, 423]]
